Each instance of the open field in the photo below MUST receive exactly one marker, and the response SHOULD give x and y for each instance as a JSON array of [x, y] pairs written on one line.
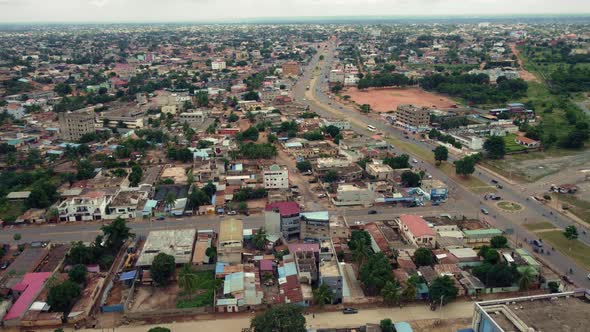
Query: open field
[[205, 286], [539, 226], [575, 249], [385, 100], [578, 207]]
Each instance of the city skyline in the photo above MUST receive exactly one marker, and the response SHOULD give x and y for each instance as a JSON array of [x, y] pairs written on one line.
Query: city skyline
[[65, 11]]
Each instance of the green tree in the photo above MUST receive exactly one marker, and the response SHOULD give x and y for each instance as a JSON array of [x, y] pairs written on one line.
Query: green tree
[[391, 292], [375, 273], [331, 176], [401, 161], [386, 325], [553, 287], [210, 189], [423, 257], [411, 179], [202, 98], [116, 233], [232, 117], [211, 252], [188, 279], [365, 108], [489, 255], [17, 237], [135, 176], [162, 269], [304, 166], [360, 244], [443, 288], [571, 232], [409, 293], [260, 238], [85, 170], [441, 153], [159, 329], [62, 297], [280, 318], [323, 295], [495, 147], [465, 166], [78, 274], [499, 241], [62, 89], [526, 278], [170, 200]]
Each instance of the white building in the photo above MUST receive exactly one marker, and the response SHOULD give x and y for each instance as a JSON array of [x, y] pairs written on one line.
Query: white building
[[336, 76], [340, 124], [351, 79], [192, 118], [348, 194], [471, 142], [218, 65], [85, 207], [276, 177]]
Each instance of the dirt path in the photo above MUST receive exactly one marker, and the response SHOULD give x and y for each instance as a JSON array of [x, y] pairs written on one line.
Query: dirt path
[[525, 75]]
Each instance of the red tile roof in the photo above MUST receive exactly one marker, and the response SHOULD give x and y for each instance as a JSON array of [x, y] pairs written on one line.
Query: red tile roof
[[416, 225], [285, 208], [526, 140], [304, 247], [290, 291]]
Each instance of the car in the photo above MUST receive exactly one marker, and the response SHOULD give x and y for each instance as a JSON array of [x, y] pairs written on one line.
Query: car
[[348, 311], [588, 276], [496, 198], [372, 212], [414, 161], [500, 186], [232, 213], [294, 186], [322, 195], [484, 211], [4, 266], [494, 181], [161, 218], [568, 280], [357, 222]]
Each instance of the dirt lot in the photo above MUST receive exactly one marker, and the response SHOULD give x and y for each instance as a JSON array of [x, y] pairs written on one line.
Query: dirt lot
[[385, 100], [149, 298]]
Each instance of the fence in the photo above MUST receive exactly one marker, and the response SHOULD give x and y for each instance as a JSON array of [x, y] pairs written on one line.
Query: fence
[[162, 313]]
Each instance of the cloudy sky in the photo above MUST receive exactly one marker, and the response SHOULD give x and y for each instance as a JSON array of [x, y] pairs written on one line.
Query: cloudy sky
[[199, 10]]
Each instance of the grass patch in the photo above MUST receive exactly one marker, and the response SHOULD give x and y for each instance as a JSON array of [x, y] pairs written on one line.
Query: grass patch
[[511, 145], [470, 182], [203, 297], [576, 206], [509, 206], [9, 211], [575, 249], [538, 226]]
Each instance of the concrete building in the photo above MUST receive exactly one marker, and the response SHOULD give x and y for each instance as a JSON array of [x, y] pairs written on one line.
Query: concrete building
[[480, 237], [193, 118], [315, 225], [230, 241], [336, 76], [288, 215], [437, 190], [218, 64], [566, 311], [177, 243], [330, 273], [276, 177], [416, 230], [380, 171], [413, 117], [349, 194], [85, 207], [291, 68], [340, 124], [472, 142], [73, 125], [127, 204]]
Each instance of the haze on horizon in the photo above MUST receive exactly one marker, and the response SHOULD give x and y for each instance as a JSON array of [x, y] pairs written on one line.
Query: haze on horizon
[[28, 11]]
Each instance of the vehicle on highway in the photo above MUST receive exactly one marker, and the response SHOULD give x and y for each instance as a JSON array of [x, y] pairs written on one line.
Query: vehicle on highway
[[371, 128], [372, 212], [568, 280], [322, 195], [4, 266], [494, 181], [414, 161], [348, 311], [484, 211], [231, 213]]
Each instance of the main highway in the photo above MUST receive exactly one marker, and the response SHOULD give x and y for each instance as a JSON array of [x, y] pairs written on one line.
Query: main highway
[[310, 90]]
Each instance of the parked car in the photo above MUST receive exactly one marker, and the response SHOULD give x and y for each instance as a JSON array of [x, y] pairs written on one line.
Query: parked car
[[494, 181], [348, 311], [372, 211], [484, 211], [231, 213], [500, 186], [4, 266]]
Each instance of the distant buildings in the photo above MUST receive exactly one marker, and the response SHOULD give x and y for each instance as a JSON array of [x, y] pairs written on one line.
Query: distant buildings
[[73, 125], [218, 64]]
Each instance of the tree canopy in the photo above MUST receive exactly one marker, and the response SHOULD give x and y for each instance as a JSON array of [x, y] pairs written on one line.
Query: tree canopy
[[163, 267], [495, 147], [280, 318]]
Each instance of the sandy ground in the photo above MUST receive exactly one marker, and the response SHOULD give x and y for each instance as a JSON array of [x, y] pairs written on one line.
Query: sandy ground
[[385, 100], [525, 75], [453, 311]]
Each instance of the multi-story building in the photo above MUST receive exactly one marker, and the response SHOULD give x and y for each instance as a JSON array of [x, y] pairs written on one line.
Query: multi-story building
[[276, 177], [291, 68], [340, 124], [413, 117], [192, 118], [336, 76], [218, 64], [330, 271], [287, 215], [73, 125], [379, 170], [85, 207], [315, 225], [230, 241], [348, 194]]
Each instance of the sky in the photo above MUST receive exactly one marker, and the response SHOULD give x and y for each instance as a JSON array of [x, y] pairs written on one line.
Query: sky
[[207, 10]]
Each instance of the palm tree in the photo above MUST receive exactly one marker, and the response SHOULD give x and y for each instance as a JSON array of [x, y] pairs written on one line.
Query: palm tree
[[188, 279], [323, 295], [527, 276], [360, 253], [170, 200], [391, 292], [260, 238]]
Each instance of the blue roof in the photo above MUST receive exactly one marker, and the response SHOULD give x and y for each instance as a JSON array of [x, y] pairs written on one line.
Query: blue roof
[[403, 327], [129, 275], [289, 269], [219, 267], [149, 205]]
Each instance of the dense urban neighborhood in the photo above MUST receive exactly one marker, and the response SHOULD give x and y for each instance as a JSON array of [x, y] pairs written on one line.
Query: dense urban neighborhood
[[418, 176]]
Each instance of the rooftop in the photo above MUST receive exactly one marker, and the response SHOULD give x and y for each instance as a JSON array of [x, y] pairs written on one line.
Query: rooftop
[[285, 208], [231, 230], [552, 312], [31, 284], [178, 243], [416, 225]]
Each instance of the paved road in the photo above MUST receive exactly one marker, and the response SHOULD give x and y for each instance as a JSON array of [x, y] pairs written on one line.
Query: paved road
[[469, 202]]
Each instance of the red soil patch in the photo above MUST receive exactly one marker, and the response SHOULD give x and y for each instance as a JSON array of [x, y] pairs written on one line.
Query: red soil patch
[[525, 75], [388, 99]]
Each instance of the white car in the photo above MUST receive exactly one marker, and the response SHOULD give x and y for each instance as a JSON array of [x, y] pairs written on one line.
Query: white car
[[231, 213], [414, 161]]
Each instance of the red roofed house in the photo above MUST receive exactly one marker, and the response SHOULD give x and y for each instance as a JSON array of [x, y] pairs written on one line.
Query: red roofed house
[[26, 291], [525, 141], [282, 218], [416, 230]]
